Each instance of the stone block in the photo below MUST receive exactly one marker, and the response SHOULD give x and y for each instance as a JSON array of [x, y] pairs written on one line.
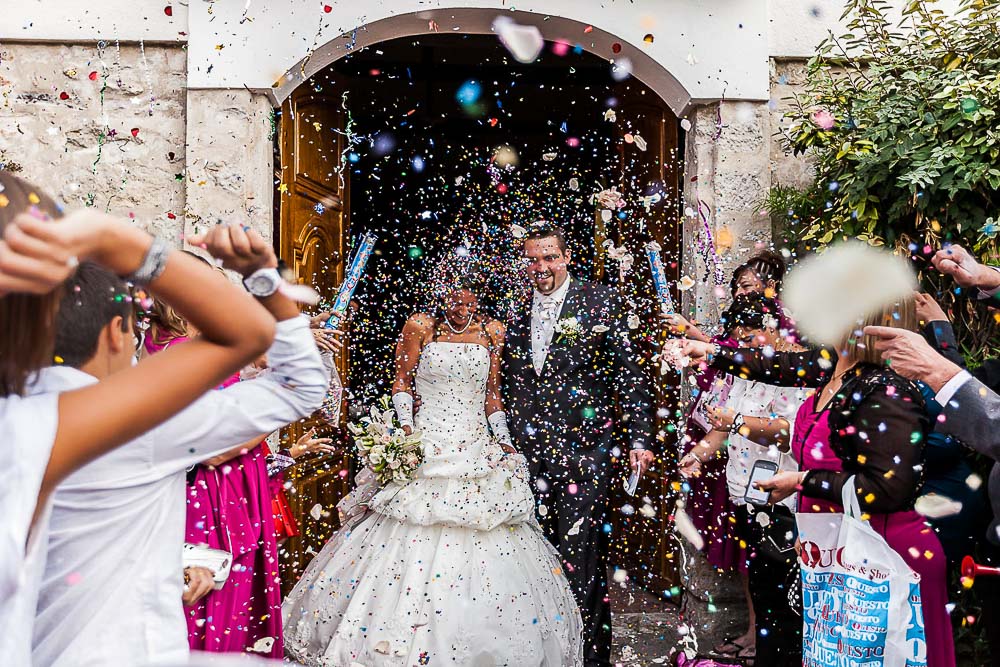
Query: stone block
[[114, 141]]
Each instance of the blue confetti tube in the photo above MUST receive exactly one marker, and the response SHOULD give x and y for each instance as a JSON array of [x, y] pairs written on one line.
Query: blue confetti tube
[[659, 278], [351, 279]]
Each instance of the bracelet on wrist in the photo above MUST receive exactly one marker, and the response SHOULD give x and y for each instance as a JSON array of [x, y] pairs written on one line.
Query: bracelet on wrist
[[738, 423], [153, 263]]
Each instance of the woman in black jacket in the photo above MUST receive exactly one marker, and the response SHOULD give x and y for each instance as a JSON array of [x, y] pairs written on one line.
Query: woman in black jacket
[[863, 421]]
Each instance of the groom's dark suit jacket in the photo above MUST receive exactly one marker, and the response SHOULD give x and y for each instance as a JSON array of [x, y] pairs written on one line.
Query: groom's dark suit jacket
[[592, 394]]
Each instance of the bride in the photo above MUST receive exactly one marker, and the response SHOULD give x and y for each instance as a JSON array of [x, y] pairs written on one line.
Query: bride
[[451, 567]]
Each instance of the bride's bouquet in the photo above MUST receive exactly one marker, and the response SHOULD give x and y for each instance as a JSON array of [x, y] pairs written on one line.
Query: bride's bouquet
[[384, 447]]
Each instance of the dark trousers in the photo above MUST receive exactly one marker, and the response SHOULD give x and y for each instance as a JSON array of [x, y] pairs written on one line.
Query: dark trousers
[[572, 516], [779, 628]]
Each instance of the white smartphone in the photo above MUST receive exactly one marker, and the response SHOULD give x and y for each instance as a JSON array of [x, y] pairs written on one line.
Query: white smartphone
[[633, 483], [762, 470]]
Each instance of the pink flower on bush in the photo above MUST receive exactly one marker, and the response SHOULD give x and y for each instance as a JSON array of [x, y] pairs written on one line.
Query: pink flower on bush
[[824, 119]]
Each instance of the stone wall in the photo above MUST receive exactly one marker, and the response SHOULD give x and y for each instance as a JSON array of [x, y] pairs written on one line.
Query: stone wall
[[99, 125], [230, 155], [788, 79], [728, 174]]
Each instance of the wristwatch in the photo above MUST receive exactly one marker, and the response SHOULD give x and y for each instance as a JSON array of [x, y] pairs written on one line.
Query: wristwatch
[[263, 282], [737, 424]]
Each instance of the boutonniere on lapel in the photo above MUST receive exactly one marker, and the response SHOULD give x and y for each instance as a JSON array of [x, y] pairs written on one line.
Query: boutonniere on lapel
[[569, 330]]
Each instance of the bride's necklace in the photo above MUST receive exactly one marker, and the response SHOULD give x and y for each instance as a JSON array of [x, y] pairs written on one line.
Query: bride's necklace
[[458, 331]]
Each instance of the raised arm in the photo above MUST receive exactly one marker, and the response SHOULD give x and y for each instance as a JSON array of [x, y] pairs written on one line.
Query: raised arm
[[495, 415], [811, 368], [941, 335], [972, 414], [416, 332], [494, 397], [234, 331], [763, 430]]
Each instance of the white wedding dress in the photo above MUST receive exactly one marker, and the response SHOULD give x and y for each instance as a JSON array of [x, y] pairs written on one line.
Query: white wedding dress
[[450, 568]]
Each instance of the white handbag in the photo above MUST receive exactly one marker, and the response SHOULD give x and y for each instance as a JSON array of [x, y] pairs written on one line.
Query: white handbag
[[216, 560]]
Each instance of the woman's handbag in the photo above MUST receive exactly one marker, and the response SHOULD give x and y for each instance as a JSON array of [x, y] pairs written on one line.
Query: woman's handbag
[[776, 540], [285, 525]]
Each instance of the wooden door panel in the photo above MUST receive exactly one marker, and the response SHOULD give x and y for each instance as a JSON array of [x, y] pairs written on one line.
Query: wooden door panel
[[643, 544], [312, 227]]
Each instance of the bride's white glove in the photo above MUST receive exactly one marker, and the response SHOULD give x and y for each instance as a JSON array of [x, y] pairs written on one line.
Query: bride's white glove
[[402, 403], [498, 424]]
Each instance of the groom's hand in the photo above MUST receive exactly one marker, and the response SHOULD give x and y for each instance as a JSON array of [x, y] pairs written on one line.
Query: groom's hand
[[640, 459]]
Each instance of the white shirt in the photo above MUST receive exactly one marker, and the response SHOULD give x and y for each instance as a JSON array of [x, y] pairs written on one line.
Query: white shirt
[[756, 399], [545, 309], [27, 433], [111, 594]]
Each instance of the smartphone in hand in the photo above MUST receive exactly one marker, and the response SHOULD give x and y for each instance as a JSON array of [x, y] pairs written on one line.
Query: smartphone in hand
[[762, 470]]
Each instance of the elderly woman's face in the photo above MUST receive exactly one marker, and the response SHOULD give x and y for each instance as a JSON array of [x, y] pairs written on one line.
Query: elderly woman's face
[[460, 307]]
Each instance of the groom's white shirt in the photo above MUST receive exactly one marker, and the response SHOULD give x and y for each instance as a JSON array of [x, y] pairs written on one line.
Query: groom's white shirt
[[545, 310]]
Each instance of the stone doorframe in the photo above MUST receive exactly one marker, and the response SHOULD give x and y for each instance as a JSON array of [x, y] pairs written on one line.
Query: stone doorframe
[[230, 171]]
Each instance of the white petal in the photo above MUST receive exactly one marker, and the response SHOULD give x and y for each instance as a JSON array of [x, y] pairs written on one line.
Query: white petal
[[523, 41]]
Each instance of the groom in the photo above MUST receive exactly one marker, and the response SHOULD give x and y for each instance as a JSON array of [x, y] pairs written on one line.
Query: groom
[[573, 389]]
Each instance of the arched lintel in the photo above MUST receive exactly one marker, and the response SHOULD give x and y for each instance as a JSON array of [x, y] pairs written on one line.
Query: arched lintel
[[478, 21]]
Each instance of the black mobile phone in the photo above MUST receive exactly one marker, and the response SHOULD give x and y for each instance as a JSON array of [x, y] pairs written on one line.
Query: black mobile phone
[[762, 470]]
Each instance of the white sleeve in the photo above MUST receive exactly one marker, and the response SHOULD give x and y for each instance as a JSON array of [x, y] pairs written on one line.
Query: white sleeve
[[293, 388], [786, 404], [28, 431], [951, 386], [988, 294]]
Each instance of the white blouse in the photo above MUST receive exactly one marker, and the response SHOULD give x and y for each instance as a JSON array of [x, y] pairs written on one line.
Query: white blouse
[[27, 433], [756, 399]]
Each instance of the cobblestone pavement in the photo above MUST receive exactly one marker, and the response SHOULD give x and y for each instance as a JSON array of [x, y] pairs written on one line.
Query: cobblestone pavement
[[645, 627]]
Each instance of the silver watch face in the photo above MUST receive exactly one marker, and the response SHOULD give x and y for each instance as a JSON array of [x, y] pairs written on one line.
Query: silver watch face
[[262, 284]]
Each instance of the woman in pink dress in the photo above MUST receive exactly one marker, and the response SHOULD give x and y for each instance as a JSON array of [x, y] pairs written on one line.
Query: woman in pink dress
[[230, 508], [864, 421]]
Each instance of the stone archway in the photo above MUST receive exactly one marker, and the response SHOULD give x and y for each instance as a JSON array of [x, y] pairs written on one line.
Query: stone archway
[[231, 167], [478, 21]]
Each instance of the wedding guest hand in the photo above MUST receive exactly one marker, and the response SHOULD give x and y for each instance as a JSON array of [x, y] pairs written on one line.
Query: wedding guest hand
[[318, 321], [37, 254], [310, 444], [690, 465], [958, 263], [327, 340], [640, 459], [676, 324], [907, 353], [198, 582], [696, 350], [239, 248], [721, 418], [782, 485], [928, 309]]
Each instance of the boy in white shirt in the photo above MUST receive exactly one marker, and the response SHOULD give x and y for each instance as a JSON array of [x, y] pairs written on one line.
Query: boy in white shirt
[[112, 588]]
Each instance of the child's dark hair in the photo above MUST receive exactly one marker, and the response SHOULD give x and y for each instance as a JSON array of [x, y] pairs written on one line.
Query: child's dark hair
[[766, 265], [750, 311]]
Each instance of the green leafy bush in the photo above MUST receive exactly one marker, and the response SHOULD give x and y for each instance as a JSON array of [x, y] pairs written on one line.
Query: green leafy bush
[[900, 120]]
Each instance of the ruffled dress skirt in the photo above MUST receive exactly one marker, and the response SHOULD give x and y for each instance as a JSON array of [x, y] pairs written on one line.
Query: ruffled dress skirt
[[438, 571]]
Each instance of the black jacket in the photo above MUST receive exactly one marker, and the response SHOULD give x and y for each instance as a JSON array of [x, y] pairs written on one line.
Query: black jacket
[[878, 422], [591, 389]]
